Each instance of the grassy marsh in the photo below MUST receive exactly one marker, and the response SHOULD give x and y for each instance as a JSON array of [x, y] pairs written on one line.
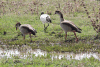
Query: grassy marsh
[[47, 62], [28, 12], [50, 40]]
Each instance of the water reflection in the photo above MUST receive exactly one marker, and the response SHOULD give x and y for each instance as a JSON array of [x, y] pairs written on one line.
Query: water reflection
[[37, 52], [79, 56], [8, 53]]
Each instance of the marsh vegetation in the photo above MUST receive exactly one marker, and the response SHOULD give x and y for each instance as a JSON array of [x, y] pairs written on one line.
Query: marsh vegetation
[[84, 13]]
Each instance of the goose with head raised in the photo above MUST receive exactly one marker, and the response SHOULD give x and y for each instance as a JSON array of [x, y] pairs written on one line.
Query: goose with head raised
[[68, 26]]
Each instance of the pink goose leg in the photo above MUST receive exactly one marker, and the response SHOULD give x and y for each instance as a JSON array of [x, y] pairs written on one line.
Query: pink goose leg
[[75, 36], [66, 36]]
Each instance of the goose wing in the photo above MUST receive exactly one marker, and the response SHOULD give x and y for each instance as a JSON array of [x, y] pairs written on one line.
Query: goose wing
[[28, 27], [72, 25]]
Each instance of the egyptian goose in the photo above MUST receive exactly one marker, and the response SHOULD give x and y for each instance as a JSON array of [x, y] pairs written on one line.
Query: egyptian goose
[[68, 26], [26, 29], [45, 18]]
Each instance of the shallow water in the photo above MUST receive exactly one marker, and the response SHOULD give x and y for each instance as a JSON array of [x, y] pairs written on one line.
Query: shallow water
[[78, 56], [9, 53]]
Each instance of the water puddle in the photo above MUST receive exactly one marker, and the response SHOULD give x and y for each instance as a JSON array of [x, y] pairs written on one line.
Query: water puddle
[[8, 53], [79, 56], [37, 52]]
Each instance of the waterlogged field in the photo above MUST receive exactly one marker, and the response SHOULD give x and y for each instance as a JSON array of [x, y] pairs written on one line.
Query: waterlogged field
[[47, 62], [39, 58], [81, 12]]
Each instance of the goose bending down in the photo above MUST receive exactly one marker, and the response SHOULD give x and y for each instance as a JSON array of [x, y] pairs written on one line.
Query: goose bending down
[[68, 26], [26, 29], [45, 18]]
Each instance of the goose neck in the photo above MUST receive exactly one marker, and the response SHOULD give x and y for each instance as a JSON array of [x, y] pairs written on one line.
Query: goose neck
[[61, 17]]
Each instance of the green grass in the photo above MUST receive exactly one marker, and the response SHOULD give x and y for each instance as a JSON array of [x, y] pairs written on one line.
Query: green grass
[[50, 41], [28, 12], [46, 39], [47, 62]]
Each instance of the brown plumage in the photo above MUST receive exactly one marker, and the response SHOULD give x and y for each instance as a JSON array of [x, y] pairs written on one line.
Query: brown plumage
[[68, 26], [26, 29]]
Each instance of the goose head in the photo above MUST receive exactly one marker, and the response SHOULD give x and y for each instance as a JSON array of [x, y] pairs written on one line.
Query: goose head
[[60, 14], [17, 25]]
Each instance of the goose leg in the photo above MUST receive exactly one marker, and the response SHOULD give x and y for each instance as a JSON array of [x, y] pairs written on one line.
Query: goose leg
[[24, 37], [75, 36], [30, 37], [66, 36]]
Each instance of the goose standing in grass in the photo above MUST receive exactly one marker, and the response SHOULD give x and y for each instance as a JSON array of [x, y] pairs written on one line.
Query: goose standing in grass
[[45, 18], [26, 29], [68, 26]]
